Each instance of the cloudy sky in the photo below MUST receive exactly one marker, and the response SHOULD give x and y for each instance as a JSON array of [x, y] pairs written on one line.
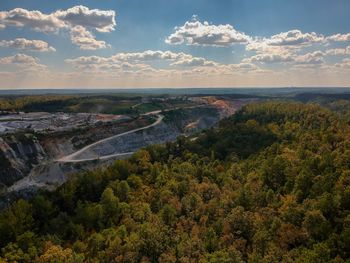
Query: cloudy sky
[[174, 43]]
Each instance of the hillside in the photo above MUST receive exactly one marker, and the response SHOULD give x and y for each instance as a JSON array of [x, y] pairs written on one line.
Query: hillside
[[269, 184]]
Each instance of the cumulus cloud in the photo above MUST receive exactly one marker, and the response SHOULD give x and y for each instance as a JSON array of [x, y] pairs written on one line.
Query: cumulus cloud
[[133, 57], [85, 39], [292, 41], [150, 55], [142, 63], [294, 38], [79, 20], [26, 44], [270, 58], [194, 62], [18, 59], [287, 47], [339, 37], [314, 58], [280, 47], [35, 20], [101, 20], [23, 62], [338, 51], [197, 33]]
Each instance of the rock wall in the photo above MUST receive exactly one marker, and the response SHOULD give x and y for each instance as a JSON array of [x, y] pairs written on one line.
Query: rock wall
[[18, 154], [29, 161]]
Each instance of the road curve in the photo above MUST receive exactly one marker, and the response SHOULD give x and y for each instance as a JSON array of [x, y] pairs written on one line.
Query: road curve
[[71, 158]]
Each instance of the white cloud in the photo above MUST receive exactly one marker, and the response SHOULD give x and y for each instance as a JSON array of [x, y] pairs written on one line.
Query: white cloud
[[287, 47], [194, 62], [26, 44], [135, 57], [314, 58], [339, 37], [150, 55], [140, 70], [23, 62], [197, 33], [281, 47], [142, 63], [85, 39], [270, 58], [35, 20], [18, 59], [79, 20], [338, 51], [294, 38], [100, 20]]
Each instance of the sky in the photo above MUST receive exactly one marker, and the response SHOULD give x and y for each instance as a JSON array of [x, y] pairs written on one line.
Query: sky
[[174, 43]]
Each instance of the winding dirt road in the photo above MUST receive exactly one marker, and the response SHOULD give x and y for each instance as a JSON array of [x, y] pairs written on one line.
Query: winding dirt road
[[72, 157]]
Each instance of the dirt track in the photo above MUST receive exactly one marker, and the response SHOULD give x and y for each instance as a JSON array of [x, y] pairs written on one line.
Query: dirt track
[[72, 157]]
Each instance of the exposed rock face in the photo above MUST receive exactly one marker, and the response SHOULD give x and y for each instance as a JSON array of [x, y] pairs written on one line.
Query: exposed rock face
[[133, 141], [21, 152], [28, 162], [18, 154]]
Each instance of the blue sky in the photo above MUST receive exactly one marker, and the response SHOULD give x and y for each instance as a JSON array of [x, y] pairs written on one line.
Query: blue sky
[[216, 43]]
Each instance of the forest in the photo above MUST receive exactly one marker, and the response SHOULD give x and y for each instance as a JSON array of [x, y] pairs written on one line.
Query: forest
[[269, 184]]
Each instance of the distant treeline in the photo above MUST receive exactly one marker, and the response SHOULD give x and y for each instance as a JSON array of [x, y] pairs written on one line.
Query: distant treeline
[[113, 104], [69, 103]]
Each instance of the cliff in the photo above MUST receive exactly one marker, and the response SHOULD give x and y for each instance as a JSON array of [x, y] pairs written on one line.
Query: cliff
[[19, 153]]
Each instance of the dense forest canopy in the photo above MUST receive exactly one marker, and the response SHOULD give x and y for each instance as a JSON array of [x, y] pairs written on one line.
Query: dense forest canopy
[[269, 184]]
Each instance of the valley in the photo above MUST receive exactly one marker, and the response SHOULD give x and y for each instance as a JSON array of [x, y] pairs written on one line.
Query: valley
[[175, 131], [236, 177], [42, 149]]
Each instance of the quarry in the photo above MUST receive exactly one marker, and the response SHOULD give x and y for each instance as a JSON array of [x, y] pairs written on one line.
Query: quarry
[[42, 149], [44, 121]]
